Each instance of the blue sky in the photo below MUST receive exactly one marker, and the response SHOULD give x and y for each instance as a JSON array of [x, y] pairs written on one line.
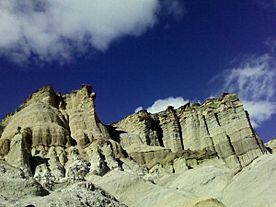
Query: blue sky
[[134, 53]]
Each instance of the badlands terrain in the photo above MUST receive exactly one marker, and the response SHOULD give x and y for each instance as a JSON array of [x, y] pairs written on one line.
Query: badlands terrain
[[55, 151]]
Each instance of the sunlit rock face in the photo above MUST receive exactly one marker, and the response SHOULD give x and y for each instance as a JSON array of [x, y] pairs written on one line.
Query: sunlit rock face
[[271, 145], [52, 134], [54, 141], [218, 126]]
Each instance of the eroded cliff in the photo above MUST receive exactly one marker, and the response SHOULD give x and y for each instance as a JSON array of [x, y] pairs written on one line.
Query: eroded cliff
[[220, 127], [55, 140], [58, 136]]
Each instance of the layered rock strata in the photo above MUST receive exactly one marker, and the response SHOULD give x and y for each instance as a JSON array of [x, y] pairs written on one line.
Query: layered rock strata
[[218, 126], [55, 138]]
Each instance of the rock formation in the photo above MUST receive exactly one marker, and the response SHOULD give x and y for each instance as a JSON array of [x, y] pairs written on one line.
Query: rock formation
[[17, 191], [218, 126], [56, 135], [271, 145], [58, 144]]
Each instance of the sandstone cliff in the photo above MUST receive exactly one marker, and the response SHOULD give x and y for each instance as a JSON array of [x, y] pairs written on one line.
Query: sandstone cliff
[[57, 140], [57, 135], [219, 127]]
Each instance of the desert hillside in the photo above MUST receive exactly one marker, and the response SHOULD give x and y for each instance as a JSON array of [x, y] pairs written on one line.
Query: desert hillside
[[55, 151]]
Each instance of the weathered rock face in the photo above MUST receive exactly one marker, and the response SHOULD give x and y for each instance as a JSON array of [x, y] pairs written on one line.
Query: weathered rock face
[[60, 129], [54, 140], [82, 119], [58, 136], [17, 191], [19, 153], [219, 126], [271, 145]]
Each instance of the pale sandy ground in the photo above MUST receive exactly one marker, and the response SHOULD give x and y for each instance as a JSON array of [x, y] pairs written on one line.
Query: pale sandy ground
[[255, 186]]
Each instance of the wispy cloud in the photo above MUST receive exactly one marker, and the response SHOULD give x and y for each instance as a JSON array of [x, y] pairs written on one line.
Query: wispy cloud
[[173, 8], [54, 30], [271, 44], [162, 104], [266, 3], [254, 81]]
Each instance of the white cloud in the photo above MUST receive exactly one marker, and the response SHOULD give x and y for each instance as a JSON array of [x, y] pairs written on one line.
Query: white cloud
[[254, 81], [53, 29], [271, 44], [260, 111], [162, 104], [174, 8], [138, 109], [266, 3]]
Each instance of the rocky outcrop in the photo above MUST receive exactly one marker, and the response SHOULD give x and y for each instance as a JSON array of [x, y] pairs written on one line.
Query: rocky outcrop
[[55, 136], [171, 130], [15, 185], [59, 131], [219, 126], [178, 157], [254, 186], [271, 145], [17, 191], [4, 147], [83, 122], [19, 153], [56, 120], [212, 184]]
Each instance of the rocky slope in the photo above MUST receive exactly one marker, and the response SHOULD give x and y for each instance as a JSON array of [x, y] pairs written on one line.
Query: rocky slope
[[197, 155], [19, 190]]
